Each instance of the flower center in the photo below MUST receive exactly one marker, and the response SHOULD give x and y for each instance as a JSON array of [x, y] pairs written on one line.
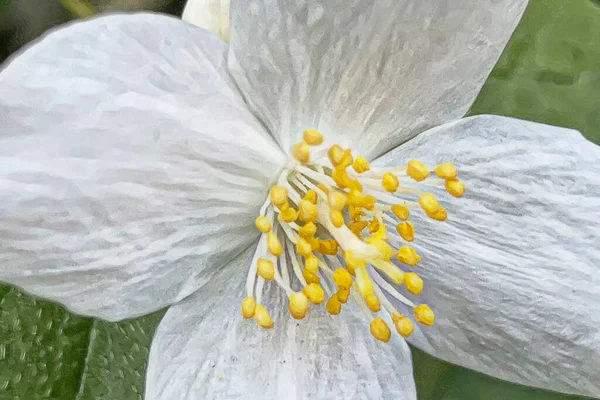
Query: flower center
[[324, 235]]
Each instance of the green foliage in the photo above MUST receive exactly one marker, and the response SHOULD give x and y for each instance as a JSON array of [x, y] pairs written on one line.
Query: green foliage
[[548, 73]]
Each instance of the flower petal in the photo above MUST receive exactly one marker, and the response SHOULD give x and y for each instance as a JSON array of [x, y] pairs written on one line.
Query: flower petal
[[204, 349], [209, 14], [127, 165], [368, 73], [513, 273]]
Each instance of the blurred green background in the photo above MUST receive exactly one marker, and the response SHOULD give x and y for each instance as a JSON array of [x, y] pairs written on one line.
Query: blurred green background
[[550, 72]]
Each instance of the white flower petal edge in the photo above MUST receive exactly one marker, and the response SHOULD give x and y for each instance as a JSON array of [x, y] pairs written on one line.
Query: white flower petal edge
[[212, 15], [513, 275], [127, 165], [372, 72], [203, 349]]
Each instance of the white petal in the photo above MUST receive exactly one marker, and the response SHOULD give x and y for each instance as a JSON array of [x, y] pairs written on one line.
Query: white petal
[[368, 73], [209, 14], [513, 275], [204, 349], [127, 165]]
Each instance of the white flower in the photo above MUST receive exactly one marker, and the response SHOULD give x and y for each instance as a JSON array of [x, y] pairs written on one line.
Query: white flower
[[136, 152]]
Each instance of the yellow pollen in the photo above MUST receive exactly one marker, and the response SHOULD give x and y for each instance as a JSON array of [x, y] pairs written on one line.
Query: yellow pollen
[[413, 283], [314, 292], [307, 230], [298, 305], [407, 255], [335, 154], [357, 199], [262, 317], [373, 303], [379, 329], [311, 196], [342, 278], [360, 165], [265, 269], [423, 314], [346, 160], [273, 244], [310, 277], [455, 187], [429, 204], [328, 247], [307, 211], [248, 306], [262, 224], [355, 213], [445, 170], [373, 225], [304, 248], [315, 243], [312, 137], [333, 305], [390, 182], [363, 281], [288, 214], [400, 211], [342, 294], [301, 152], [312, 263], [278, 195], [406, 230], [336, 217], [440, 215], [403, 325], [336, 200], [417, 170]]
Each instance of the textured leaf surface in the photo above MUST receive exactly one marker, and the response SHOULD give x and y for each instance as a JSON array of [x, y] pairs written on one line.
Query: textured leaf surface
[[548, 73]]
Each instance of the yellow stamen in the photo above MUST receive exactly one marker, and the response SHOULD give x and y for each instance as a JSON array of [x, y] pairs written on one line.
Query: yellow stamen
[[390, 182], [333, 305], [413, 283], [430, 205], [445, 170], [288, 214], [265, 269], [385, 250], [417, 170], [311, 196], [310, 277], [336, 217], [423, 314], [391, 270], [373, 303], [311, 263], [379, 329], [403, 325], [400, 211], [312, 137], [455, 187], [308, 230], [328, 247], [360, 165], [342, 294], [407, 255], [307, 211], [336, 200], [406, 230], [278, 195], [262, 317], [248, 306], [314, 292], [357, 199], [301, 152], [303, 247], [273, 244], [298, 305], [342, 278], [363, 281], [373, 225], [262, 224], [335, 154]]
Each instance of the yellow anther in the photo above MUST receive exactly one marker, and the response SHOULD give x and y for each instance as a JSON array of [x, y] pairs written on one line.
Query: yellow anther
[[390, 269], [417, 170], [335, 154], [406, 230], [262, 317], [390, 182], [445, 170], [288, 214], [336, 200], [373, 303], [298, 305], [400, 211], [342, 278], [355, 213], [429, 204], [312, 137], [323, 188], [311, 196], [357, 199], [385, 251], [407, 255], [373, 225], [315, 243], [265, 269], [262, 224], [333, 305], [328, 247], [352, 261], [336, 217], [363, 282], [346, 160], [301, 152], [311, 263], [314, 292], [307, 230], [307, 211], [357, 226], [278, 195], [303, 247], [423, 314], [403, 325], [310, 277], [360, 165], [248, 306], [342, 294], [455, 187], [273, 244], [341, 177], [379, 329], [440, 215], [413, 283]]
